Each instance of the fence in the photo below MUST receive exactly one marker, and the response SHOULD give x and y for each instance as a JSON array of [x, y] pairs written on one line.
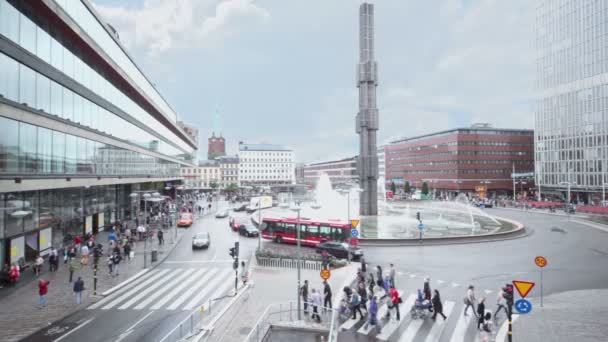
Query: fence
[[286, 316], [290, 263]]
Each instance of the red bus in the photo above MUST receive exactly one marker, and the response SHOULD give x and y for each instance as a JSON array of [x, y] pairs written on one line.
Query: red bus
[[283, 230]]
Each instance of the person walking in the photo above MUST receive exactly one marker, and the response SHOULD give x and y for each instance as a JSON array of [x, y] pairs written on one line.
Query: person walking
[[78, 288], [161, 239], [77, 242], [304, 294], [315, 300], [391, 275], [363, 294], [501, 303], [244, 273], [84, 253], [326, 295], [72, 266], [379, 277], [394, 301], [115, 263], [355, 304], [38, 265], [426, 289], [53, 260], [437, 305], [43, 289], [127, 249], [110, 263], [470, 300], [371, 283], [487, 328], [481, 310], [372, 317]]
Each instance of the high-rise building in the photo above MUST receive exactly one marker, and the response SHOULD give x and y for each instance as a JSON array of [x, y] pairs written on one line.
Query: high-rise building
[[367, 117], [571, 125], [82, 128], [341, 172], [266, 164], [217, 147]]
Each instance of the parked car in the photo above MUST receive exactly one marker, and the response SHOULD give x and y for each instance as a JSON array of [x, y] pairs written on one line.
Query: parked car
[[241, 207], [222, 214], [340, 250], [184, 220], [248, 230], [201, 240]]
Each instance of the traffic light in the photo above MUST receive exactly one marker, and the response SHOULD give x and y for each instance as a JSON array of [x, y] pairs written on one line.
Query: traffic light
[[418, 216], [236, 249], [232, 252], [508, 294]]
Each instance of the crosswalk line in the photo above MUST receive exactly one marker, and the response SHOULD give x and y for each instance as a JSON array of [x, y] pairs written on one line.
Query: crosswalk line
[[144, 292], [460, 331], [411, 331], [135, 289], [200, 284], [502, 332], [393, 325], [205, 292], [125, 288], [381, 313], [178, 289], [220, 291], [349, 324], [170, 285], [438, 326]]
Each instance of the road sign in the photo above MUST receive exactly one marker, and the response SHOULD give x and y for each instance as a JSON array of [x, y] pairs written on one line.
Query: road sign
[[540, 261], [354, 223], [523, 306], [325, 274], [481, 188], [421, 226], [523, 287], [354, 232]]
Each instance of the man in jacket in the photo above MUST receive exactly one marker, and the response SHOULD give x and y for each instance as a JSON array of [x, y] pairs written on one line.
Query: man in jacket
[[470, 300], [78, 288], [315, 300], [43, 289], [327, 295], [304, 294], [394, 302]]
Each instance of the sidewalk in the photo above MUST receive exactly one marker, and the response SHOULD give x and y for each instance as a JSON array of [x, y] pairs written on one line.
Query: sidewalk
[[270, 286], [25, 317]]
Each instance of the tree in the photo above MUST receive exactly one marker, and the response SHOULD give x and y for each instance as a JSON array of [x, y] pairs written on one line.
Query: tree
[[393, 187], [232, 187], [407, 188], [213, 185], [425, 188]]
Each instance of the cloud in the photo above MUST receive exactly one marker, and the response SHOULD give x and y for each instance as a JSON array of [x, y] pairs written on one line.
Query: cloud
[[160, 25]]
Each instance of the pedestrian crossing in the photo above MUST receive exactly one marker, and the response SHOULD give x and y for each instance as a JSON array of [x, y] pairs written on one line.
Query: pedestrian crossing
[[456, 328], [170, 289]]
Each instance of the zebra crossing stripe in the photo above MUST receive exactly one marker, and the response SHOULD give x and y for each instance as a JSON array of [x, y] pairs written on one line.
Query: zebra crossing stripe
[[381, 313], [178, 289], [204, 293], [169, 285], [149, 289], [121, 290], [461, 327], [391, 326], [190, 291], [437, 329], [130, 292], [502, 332], [411, 331], [220, 291]]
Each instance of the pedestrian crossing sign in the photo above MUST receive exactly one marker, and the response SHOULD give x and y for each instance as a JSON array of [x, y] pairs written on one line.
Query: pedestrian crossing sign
[[523, 287]]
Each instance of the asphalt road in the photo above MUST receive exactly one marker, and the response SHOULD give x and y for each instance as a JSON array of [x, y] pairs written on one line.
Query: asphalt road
[[150, 307]]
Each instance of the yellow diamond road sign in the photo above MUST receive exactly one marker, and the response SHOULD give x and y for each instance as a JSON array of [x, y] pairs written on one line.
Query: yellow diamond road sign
[[354, 223]]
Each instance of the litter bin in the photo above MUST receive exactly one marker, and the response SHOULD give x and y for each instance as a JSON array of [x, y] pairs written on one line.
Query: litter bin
[[154, 255]]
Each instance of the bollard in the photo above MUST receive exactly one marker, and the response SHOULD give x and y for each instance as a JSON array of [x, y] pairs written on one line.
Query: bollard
[[191, 323]]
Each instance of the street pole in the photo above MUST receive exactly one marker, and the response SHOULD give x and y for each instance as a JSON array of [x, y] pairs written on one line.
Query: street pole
[[603, 193], [348, 217], [299, 261], [541, 287], [568, 202], [95, 279], [509, 314], [259, 226], [513, 177], [146, 233]]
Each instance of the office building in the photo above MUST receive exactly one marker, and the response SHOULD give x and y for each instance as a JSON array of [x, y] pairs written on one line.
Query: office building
[[342, 172], [229, 167], [266, 164], [82, 128]]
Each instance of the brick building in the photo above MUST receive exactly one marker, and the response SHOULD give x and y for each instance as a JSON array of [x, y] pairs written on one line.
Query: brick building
[[463, 160], [216, 147]]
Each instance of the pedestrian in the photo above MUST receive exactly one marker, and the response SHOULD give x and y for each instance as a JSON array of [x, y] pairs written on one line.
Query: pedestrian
[[244, 273], [386, 284], [326, 295], [391, 274], [437, 305], [469, 300], [84, 252], [363, 294], [355, 305], [371, 283], [481, 310], [72, 266], [315, 300], [115, 263], [487, 327], [426, 289], [53, 260], [304, 294], [501, 303], [372, 317], [78, 288], [363, 265], [394, 301], [127, 249], [77, 242], [110, 263], [325, 259], [38, 265], [379, 276], [43, 289], [71, 253], [13, 274], [161, 240]]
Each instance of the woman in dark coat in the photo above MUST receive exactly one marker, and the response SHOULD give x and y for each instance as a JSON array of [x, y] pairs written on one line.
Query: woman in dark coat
[[437, 305]]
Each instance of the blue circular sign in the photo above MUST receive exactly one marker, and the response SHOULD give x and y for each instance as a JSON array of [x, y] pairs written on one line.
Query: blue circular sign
[[354, 232], [523, 306], [421, 226]]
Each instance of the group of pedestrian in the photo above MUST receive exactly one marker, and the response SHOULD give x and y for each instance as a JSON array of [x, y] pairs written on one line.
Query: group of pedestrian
[[316, 299], [485, 323]]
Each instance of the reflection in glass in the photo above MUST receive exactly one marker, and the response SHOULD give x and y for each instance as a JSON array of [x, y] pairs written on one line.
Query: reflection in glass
[[9, 145], [43, 93], [27, 144], [27, 86], [9, 21], [9, 78], [58, 152], [45, 149], [27, 34]]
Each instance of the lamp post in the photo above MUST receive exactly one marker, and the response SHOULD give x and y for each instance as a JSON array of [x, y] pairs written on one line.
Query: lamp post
[[146, 197], [296, 207]]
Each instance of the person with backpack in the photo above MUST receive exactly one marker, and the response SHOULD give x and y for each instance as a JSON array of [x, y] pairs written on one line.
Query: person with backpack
[[469, 300], [78, 288], [127, 249], [394, 301], [487, 328], [355, 305], [304, 294], [481, 310]]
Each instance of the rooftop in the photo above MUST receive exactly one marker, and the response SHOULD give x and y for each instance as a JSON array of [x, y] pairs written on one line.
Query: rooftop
[[470, 130], [353, 158], [262, 147]]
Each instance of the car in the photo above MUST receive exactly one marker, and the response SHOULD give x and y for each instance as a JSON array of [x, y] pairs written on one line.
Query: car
[[248, 230], [234, 224], [201, 240], [241, 207], [222, 214], [340, 250], [185, 219]]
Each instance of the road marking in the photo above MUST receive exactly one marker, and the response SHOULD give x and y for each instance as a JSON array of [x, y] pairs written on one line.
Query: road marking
[[220, 291], [381, 313], [600, 227], [487, 291], [76, 328], [123, 290], [169, 285], [126, 282], [197, 261], [412, 276], [437, 329], [134, 290], [455, 284], [461, 327], [178, 289], [130, 330], [502, 332], [411, 330], [212, 284], [191, 290], [440, 281], [393, 325], [149, 289]]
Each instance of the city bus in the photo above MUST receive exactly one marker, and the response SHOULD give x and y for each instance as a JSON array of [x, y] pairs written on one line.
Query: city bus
[[312, 233]]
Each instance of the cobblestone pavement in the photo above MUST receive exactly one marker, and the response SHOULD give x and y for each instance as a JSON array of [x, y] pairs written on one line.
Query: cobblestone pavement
[[25, 316]]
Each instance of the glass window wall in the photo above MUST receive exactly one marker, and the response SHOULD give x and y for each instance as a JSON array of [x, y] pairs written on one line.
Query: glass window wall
[[9, 146]]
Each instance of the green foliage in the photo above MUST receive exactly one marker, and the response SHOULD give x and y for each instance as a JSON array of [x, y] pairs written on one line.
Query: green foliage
[[407, 188], [232, 187], [425, 188], [213, 185], [393, 187]]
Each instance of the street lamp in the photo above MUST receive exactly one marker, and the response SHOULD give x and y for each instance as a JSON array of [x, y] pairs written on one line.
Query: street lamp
[[296, 207]]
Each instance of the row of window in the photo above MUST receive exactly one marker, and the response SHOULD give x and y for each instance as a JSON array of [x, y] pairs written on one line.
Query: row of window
[[29, 149], [466, 162], [308, 231], [392, 158], [265, 177], [471, 171], [23, 31]]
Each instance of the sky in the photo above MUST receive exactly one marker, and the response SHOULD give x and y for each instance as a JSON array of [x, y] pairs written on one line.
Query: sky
[[283, 71]]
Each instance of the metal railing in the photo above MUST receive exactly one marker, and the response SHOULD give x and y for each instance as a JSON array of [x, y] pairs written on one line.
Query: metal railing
[[191, 324], [286, 315], [290, 263]]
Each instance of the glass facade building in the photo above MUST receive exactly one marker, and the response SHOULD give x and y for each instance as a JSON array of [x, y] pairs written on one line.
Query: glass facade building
[[82, 127], [571, 124]]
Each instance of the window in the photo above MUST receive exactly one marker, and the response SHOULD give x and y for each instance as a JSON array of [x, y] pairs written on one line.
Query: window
[[27, 145], [290, 228], [43, 93], [313, 231], [27, 34], [9, 21], [58, 152], [45, 149], [68, 104], [56, 99], [43, 45], [9, 76], [27, 86], [9, 145]]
